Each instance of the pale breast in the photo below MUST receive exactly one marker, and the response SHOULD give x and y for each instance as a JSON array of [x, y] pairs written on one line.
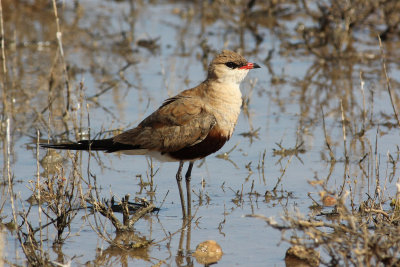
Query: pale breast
[[225, 102]]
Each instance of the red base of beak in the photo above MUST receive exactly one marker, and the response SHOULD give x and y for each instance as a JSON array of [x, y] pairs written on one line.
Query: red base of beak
[[250, 66]]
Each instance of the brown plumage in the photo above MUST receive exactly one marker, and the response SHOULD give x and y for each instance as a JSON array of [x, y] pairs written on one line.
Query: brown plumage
[[188, 126]]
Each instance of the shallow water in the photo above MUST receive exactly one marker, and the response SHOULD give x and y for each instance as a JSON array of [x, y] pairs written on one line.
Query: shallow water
[[114, 83]]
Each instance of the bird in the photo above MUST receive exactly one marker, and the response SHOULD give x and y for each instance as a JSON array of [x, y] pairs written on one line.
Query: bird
[[186, 127]]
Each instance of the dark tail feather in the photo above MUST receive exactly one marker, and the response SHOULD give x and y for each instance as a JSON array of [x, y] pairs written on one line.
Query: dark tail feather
[[104, 144], [107, 145]]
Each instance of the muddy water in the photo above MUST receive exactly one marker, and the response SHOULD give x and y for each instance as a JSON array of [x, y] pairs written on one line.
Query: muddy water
[[121, 59]]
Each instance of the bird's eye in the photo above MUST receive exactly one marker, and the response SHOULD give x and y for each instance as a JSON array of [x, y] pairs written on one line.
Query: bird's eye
[[231, 65]]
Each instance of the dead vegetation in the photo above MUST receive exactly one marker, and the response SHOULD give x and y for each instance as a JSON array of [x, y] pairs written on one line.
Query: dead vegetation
[[364, 237]]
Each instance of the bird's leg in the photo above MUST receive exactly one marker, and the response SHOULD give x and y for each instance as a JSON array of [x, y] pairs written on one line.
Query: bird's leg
[[178, 180], [188, 176]]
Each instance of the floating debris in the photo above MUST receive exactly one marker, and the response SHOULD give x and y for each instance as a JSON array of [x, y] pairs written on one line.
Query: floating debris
[[300, 256], [208, 252]]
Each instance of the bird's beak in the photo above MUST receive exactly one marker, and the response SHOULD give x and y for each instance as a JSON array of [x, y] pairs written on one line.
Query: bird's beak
[[250, 66]]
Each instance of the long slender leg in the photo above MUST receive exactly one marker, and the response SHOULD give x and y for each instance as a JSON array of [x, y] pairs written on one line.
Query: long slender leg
[[178, 180], [188, 176]]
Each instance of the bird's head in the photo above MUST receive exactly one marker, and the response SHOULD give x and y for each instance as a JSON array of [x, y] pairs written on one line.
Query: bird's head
[[229, 67]]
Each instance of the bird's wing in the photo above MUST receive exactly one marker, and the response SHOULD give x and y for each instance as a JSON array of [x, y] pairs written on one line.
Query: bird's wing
[[180, 122]]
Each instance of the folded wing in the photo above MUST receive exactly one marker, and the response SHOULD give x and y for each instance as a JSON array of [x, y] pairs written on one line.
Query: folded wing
[[181, 122]]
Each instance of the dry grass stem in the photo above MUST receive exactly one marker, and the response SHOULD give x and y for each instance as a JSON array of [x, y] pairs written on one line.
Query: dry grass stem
[[388, 86]]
